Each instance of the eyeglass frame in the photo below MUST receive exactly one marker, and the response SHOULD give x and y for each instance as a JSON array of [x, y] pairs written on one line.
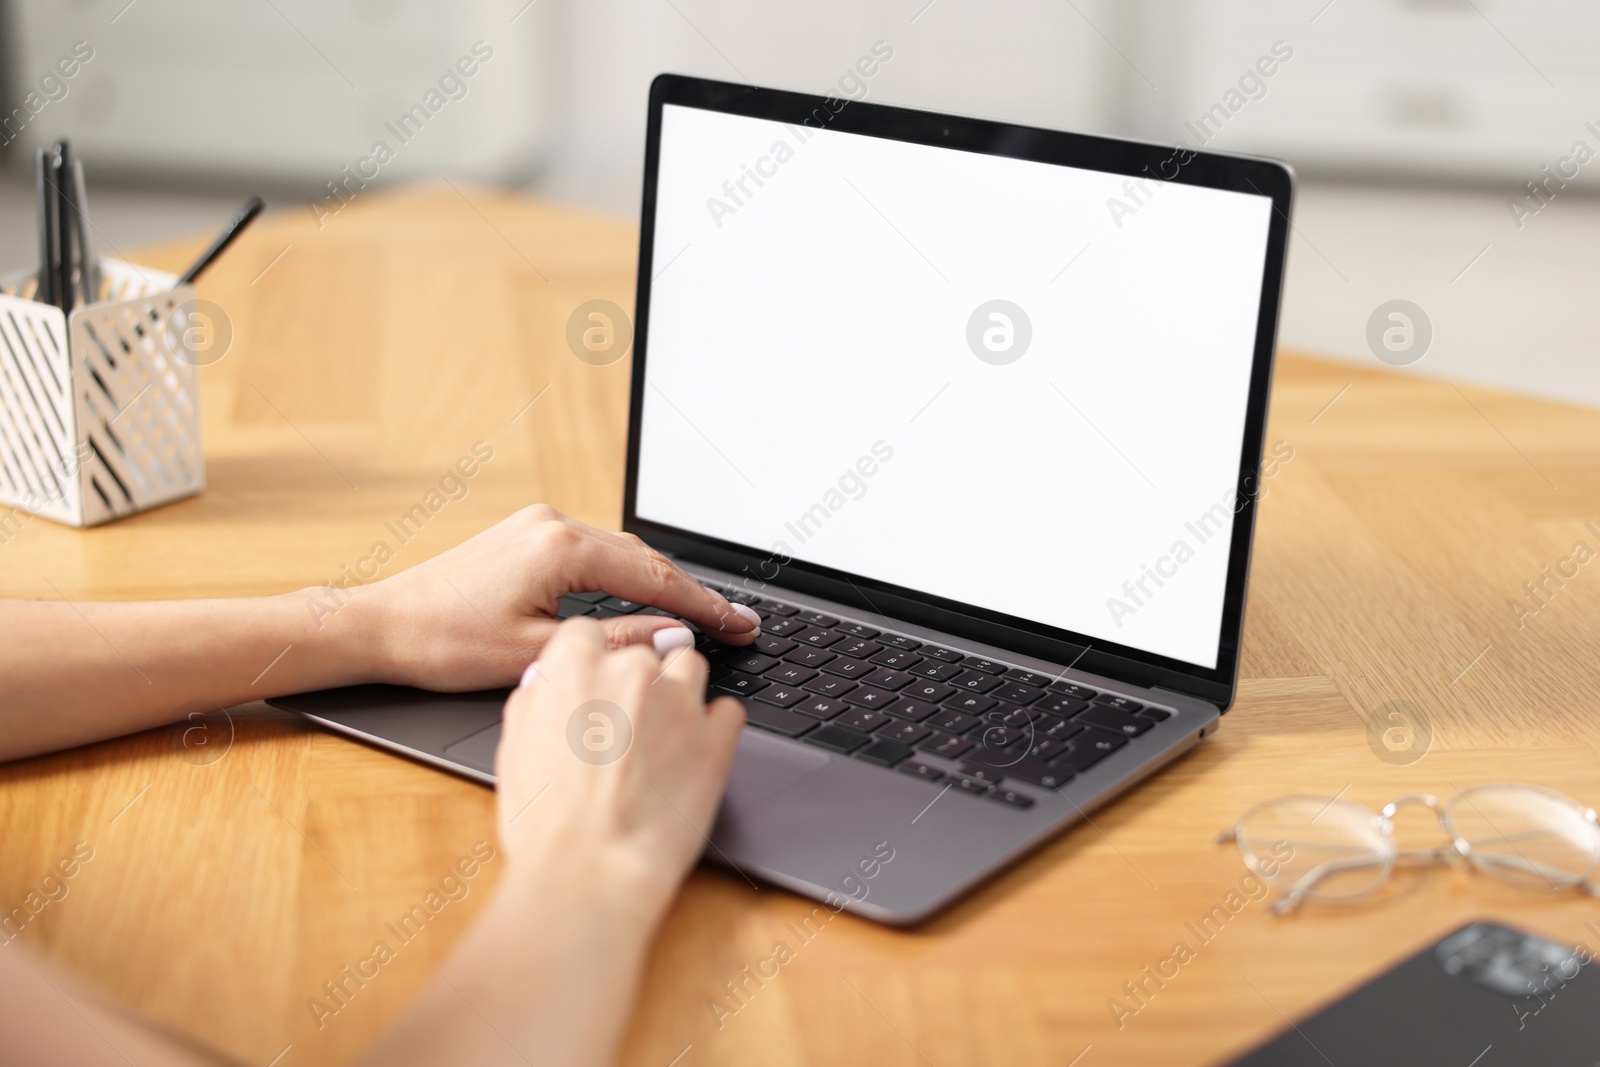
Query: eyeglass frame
[[1455, 850]]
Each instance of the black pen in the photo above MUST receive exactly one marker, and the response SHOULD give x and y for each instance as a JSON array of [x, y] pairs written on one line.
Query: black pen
[[234, 227], [66, 216], [44, 291], [88, 266]]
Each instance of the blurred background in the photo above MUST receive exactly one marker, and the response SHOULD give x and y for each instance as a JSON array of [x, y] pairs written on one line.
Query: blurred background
[[1445, 147]]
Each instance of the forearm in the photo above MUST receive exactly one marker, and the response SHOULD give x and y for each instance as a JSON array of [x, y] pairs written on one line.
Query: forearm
[[548, 974], [77, 673]]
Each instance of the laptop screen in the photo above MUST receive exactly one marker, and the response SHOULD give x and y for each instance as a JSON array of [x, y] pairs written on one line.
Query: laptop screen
[[1015, 385]]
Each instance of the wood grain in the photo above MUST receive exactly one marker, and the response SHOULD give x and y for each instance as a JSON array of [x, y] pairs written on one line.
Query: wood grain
[[371, 353]]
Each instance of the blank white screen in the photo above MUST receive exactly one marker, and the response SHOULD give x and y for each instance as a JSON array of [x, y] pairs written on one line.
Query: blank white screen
[[798, 324]]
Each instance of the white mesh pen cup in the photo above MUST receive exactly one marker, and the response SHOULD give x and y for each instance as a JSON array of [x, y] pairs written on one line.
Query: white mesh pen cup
[[99, 415]]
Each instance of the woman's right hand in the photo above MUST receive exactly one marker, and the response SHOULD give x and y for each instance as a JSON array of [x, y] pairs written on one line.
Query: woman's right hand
[[613, 759]]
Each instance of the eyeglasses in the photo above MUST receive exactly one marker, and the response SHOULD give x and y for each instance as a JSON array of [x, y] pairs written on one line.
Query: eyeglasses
[[1336, 851]]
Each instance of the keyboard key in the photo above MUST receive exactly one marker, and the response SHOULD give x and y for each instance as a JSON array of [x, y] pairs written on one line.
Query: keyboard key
[[981, 772], [948, 655], [858, 648], [829, 686], [1061, 704], [1058, 729], [742, 684], [1072, 689], [838, 738], [907, 733], [752, 662], [953, 722], [1011, 715], [820, 638], [855, 629], [570, 607], [884, 752], [717, 653], [971, 703], [1119, 721], [617, 604], [1111, 700], [603, 612], [867, 697], [994, 736], [926, 771], [772, 607], [1044, 749], [740, 596], [944, 745], [933, 692], [821, 708], [593, 596], [778, 720], [1158, 714], [939, 672], [807, 656], [1088, 748], [783, 627], [864, 719], [968, 784], [790, 674], [1012, 798], [975, 682], [849, 668], [987, 666], [1038, 681], [817, 618], [781, 695], [1036, 773], [896, 641], [912, 710], [884, 678], [772, 646], [1017, 693], [896, 658]]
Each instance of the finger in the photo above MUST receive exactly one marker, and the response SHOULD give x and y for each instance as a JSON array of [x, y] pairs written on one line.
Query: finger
[[576, 641], [637, 572], [663, 634], [688, 669]]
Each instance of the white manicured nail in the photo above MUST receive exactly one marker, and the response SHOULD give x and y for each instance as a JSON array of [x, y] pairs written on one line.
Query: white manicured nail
[[747, 613], [530, 674], [671, 639]]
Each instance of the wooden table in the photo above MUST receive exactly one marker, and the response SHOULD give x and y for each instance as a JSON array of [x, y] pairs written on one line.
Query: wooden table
[[1391, 556]]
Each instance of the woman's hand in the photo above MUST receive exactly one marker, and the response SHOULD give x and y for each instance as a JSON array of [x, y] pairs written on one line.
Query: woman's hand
[[476, 615], [625, 759]]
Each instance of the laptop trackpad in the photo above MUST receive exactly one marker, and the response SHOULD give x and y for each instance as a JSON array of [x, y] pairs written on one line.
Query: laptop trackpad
[[476, 750], [766, 766]]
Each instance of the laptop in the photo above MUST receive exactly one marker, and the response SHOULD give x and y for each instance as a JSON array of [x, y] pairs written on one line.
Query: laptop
[[972, 414]]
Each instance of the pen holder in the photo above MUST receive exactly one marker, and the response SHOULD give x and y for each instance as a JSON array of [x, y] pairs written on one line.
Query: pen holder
[[99, 417]]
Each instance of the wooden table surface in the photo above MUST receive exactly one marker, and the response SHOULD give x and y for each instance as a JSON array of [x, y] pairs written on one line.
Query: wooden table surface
[[1391, 560]]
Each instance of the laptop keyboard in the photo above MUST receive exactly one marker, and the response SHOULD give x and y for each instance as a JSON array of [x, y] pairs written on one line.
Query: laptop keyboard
[[890, 700]]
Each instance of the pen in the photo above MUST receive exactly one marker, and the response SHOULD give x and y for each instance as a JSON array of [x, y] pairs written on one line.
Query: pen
[[66, 215], [44, 291], [88, 266], [234, 227]]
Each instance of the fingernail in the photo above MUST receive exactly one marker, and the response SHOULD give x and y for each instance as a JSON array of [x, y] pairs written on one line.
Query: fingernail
[[530, 674], [671, 639], [748, 614]]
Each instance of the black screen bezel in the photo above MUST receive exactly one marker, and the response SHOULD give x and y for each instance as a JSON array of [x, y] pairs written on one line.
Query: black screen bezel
[[1149, 162]]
